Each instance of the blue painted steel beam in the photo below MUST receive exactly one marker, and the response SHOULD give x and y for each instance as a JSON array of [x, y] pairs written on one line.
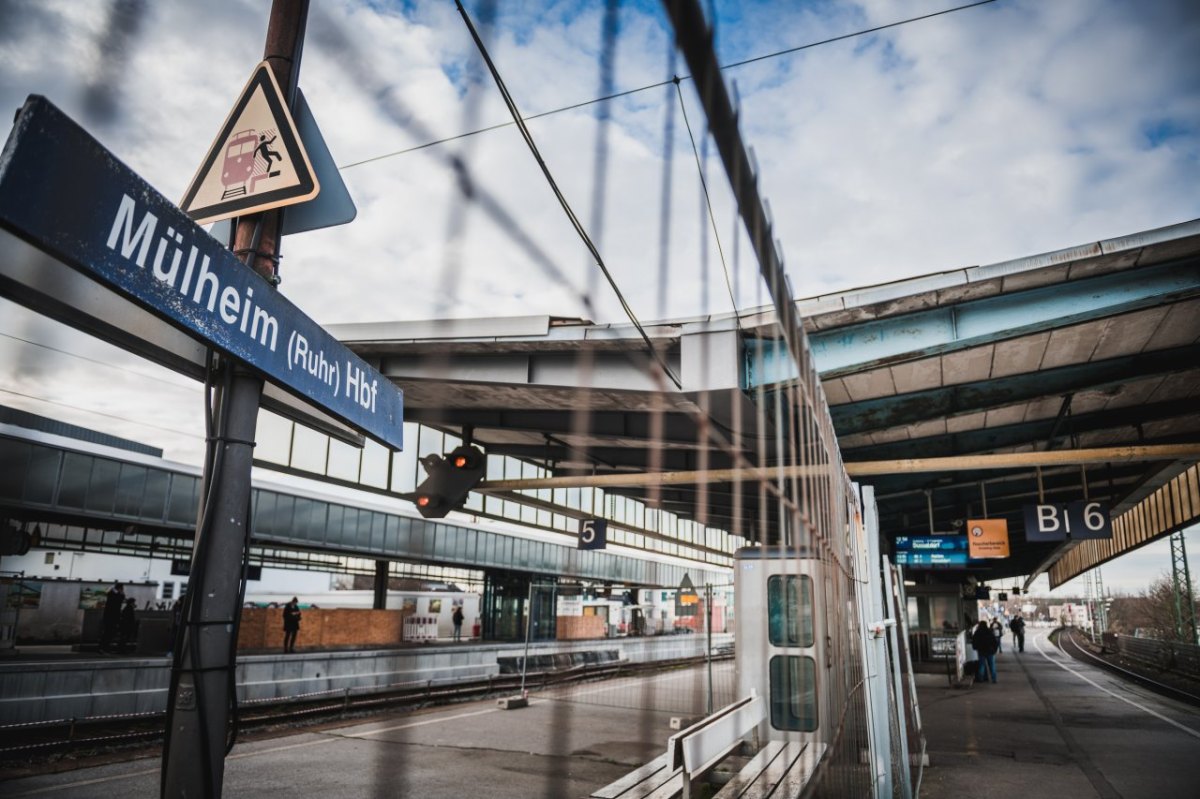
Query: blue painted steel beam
[[1033, 432], [981, 395], [922, 334]]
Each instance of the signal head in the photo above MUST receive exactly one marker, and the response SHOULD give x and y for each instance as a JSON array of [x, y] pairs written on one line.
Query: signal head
[[449, 479]]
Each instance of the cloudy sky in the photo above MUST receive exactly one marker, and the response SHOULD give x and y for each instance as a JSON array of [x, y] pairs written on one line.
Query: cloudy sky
[[995, 132]]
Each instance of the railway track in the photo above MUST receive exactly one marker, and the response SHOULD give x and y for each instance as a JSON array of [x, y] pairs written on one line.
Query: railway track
[[26, 743], [1067, 640]]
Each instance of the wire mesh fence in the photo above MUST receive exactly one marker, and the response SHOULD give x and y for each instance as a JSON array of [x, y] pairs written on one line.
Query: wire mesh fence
[[704, 441], [685, 690], [689, 635]]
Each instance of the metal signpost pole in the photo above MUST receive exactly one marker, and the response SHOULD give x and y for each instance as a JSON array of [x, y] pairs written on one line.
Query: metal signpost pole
[[203, 675], [528, 628], [203, 672]]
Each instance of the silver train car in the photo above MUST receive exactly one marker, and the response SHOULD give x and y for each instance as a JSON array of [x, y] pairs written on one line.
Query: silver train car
[[798, 640], [812, 622]]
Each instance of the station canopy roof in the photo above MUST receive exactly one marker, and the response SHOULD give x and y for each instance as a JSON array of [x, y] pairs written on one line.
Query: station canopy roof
[[1096, 346]]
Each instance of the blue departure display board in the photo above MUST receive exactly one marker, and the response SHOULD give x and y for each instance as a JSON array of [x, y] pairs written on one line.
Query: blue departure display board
[[932, 551]]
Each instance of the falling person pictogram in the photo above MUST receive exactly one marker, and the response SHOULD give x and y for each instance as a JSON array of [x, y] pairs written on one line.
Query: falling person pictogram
[[267, 153]]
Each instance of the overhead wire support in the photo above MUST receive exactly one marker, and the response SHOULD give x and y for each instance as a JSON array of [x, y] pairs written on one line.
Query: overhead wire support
[[655, 355], [694, 38], [1181, 588]]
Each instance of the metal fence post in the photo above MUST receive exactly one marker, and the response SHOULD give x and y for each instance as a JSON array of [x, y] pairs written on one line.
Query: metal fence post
[[708, 595], [528, 628]]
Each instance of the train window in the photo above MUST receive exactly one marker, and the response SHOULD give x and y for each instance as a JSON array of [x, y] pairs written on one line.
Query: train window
[[790, 610], [793, 693]]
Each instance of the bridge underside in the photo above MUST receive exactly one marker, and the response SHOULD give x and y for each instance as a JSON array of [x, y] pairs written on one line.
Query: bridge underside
[[1096, 346]]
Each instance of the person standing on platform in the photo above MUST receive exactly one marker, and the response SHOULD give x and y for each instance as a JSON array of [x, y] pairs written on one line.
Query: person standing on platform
[[128, 624], [984, 641], [998, 631], [457, 618], [291, 624], [1017, 625], [176, 624], [114, 600]]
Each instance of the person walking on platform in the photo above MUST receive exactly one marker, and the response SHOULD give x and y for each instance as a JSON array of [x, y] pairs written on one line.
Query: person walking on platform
[[1017, 625], [998, 631], [984, 642], [457, 618], [114, 600], [291, 624]]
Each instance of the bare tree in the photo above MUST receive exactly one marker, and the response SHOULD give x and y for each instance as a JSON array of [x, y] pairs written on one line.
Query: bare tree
[[1152, 611]]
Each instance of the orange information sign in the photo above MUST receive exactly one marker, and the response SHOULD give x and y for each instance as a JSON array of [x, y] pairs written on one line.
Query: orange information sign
[[687, 601], [987, 538]]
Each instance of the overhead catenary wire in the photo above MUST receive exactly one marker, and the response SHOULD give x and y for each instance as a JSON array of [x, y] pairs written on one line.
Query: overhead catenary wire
[[97, 361], [142, 422], [335, 40], [655, 355], [708, 203], [580, 417], [627, 92], [473, 192]]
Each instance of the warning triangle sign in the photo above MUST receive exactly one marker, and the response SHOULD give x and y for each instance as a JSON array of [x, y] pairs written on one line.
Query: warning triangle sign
[[257, 161], [686, 598]]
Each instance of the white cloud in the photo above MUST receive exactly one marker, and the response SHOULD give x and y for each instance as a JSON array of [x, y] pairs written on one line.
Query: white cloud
[[1134, 571], [997, 132]]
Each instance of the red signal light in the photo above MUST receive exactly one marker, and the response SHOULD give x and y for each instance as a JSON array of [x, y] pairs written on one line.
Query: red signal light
[[449, 479]]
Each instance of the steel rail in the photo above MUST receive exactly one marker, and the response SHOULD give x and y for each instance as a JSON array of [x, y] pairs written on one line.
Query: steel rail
[[1161, 688], [339, 701]]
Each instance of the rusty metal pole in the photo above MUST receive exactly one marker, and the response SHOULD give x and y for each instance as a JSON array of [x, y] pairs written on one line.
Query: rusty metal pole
[[256, 237], [202, 691]]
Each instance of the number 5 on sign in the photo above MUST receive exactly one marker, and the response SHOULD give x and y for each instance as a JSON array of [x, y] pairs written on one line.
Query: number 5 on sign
[[593, 533]]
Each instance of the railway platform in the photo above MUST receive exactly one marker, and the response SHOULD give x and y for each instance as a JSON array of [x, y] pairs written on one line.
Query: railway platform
[[38, 685], [1054, 727]]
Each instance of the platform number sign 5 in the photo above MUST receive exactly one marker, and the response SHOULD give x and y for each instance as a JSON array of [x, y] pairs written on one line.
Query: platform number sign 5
[[593, 533], [1071, 520]]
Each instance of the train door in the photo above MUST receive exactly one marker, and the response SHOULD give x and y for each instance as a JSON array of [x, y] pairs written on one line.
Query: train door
[[782, 650]]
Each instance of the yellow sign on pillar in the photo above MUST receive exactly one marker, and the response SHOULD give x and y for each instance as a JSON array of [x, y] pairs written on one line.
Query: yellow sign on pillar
[[987, 538]]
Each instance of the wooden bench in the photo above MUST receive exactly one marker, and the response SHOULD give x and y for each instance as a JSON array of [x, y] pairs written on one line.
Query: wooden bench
[[694, 752], [698, 749], [788, 765], [656, 779]]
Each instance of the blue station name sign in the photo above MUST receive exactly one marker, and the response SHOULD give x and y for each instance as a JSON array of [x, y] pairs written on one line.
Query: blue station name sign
[[61, 191]]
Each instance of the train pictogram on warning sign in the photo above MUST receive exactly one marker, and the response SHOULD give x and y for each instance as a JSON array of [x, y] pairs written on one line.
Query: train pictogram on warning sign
[[257, 161]]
